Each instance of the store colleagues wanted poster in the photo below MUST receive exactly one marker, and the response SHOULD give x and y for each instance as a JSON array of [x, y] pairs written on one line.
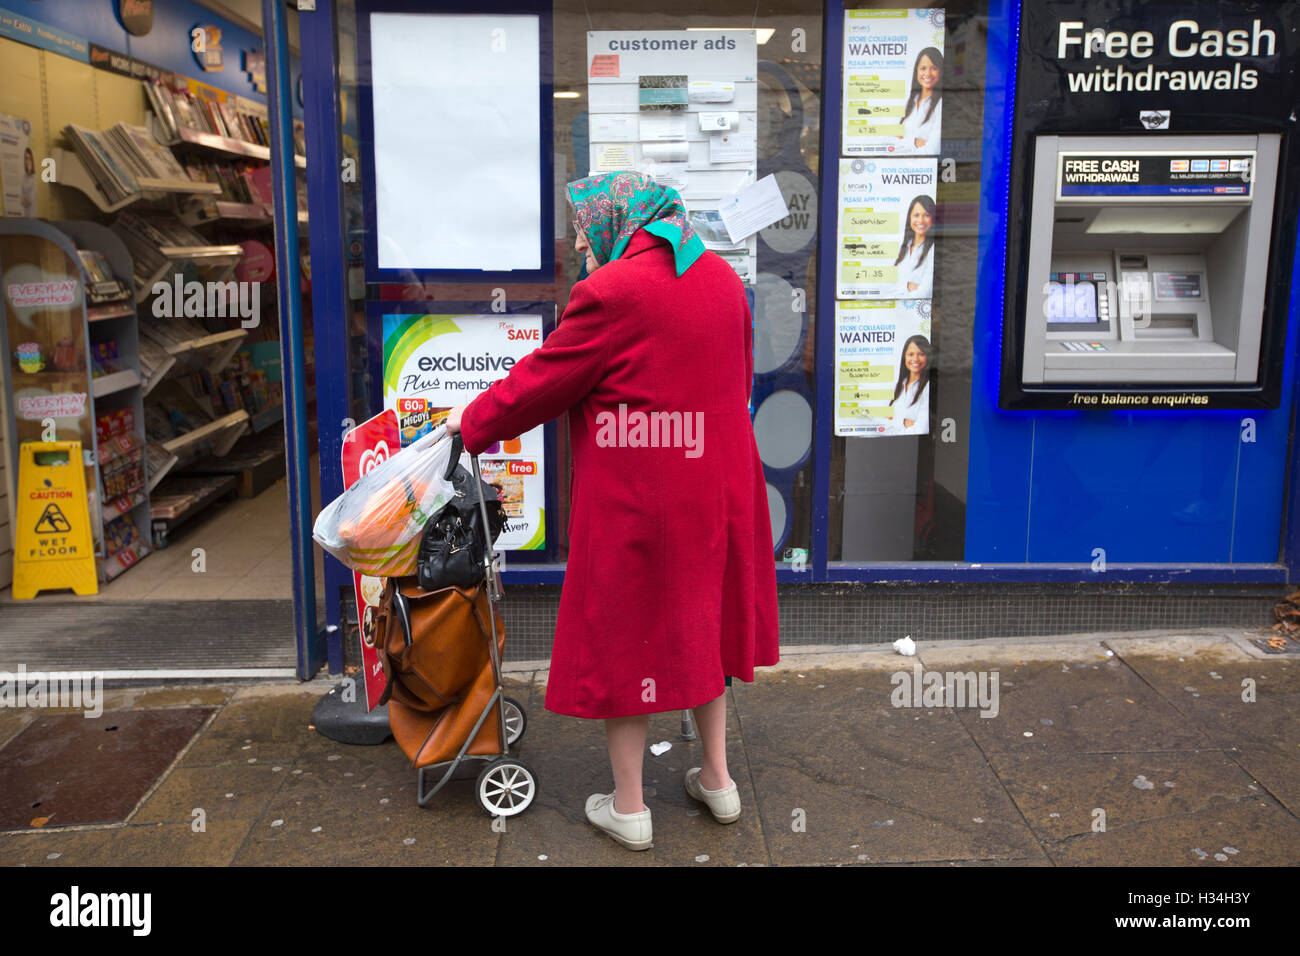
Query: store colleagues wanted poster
[[883, 358], [893, 82], [432, 363]]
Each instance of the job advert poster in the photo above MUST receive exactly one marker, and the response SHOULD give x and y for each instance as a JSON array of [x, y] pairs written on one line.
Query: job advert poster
[[893, 58], [886, 240], [882, 365], [432, 363]]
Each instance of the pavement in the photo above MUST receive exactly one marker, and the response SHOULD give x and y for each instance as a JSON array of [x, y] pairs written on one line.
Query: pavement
[[1171, 749]]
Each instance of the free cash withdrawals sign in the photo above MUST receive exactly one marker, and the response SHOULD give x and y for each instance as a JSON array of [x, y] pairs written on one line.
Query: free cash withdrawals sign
[[432, 363], [1163, 175]]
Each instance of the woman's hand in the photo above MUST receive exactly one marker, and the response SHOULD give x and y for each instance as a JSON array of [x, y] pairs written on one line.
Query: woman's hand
[[913, 286], [453, 420], [909, 422], [920, 143]]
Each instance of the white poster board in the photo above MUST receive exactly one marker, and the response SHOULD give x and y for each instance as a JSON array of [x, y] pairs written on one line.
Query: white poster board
[[680, 106], [887, 55], [457, 141]]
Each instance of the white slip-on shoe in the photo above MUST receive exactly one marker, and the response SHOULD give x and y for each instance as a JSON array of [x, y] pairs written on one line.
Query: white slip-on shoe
[[633, 830], [724, 804]]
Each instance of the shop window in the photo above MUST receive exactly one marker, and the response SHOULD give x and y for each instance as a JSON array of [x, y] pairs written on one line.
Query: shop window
[[902, 440], [783, 102]]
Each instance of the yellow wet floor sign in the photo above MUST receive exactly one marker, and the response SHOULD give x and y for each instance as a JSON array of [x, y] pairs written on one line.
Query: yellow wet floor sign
[[53, 547]]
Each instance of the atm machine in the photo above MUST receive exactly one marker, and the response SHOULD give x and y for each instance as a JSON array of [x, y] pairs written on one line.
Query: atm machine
[[1152, 203], [1148, 259]]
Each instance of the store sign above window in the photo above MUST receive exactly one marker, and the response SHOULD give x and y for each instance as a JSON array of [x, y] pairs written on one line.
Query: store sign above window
[[136, 16], [1092, 53]]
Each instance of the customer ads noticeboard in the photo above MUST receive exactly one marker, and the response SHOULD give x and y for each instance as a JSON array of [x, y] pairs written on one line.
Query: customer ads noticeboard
[[680, 106], [432, 363], [893, 82], [886, 244], [882, 367]]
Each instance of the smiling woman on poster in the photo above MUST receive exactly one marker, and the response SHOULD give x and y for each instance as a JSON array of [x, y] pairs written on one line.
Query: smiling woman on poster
[[911, 402], [915, 262], [924, 113]]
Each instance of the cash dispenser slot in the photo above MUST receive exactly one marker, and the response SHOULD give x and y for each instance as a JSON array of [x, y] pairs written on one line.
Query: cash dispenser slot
[[1151, 257]]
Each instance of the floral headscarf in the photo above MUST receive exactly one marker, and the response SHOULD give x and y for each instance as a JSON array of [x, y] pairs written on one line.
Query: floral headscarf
[[611, 207]]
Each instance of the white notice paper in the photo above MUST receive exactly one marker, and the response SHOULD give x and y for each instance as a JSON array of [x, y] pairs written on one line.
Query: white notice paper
[[662, 126], [711, 91], [613, 127], [733, 147], [672, 175], [665, 152], [712, 122], [753, 208], [611, 157]]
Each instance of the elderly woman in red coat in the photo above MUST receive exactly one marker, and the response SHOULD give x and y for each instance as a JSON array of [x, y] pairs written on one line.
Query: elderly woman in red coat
[[670, 587]]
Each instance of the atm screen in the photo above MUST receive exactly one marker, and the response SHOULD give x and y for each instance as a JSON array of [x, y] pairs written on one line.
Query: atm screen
[[1072, 296]]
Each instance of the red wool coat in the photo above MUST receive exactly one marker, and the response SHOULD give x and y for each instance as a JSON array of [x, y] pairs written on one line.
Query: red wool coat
[[671, 579]]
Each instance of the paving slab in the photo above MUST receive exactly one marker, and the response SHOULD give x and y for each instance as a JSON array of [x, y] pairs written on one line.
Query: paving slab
[[874, 782], [146, 845], [253, 729], [231, 792], [1250, 707], [1065, 795], [321, 817], [12, 722], [570, 758], [1254, 831], [1080, 706]]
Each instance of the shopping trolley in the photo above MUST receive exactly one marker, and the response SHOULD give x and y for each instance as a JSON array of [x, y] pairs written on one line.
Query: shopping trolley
[[506, 786]]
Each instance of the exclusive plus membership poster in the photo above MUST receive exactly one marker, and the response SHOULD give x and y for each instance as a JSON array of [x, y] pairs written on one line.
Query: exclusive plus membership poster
[[893, 82], [883, 358], [432, 363], [886, 238]]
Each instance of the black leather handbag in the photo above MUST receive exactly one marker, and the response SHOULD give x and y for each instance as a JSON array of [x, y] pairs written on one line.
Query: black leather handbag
[[454, 543]]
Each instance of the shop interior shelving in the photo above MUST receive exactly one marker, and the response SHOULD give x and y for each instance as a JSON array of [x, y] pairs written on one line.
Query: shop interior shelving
[[72, 172], [117, 464]]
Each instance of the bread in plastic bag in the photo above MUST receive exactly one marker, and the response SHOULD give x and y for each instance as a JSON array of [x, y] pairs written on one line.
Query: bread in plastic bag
[[375, 526]]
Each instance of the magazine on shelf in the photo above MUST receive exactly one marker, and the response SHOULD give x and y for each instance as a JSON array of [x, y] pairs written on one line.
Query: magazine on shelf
[[110, 176], [139, 141]]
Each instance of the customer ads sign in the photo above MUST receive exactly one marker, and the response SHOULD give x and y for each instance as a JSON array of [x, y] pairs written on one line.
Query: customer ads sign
[[433, 363]]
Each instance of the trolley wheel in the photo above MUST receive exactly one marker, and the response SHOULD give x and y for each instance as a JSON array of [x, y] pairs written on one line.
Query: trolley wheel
[[506, 787], [516, 722]]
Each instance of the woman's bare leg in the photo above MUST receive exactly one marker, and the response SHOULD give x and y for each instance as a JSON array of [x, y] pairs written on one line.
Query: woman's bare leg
[[625, 737], [711, 724]]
